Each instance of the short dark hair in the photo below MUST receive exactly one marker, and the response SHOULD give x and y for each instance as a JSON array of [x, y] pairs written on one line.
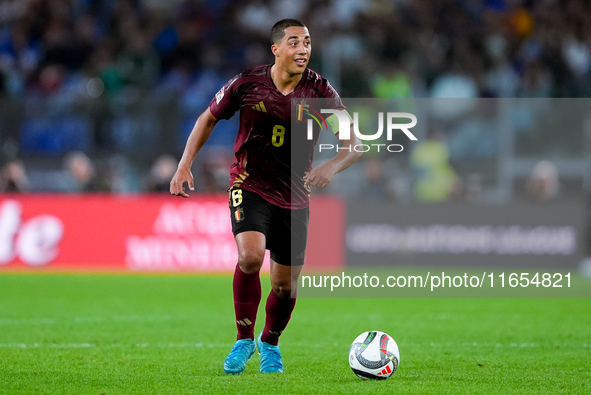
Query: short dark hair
[[278, 30]]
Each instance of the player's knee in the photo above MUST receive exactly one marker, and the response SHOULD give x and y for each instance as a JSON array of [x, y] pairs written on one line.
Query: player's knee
[[282, 289], [250, 261]]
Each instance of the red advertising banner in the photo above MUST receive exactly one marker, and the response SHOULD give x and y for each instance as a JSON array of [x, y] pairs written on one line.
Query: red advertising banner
[[142, 233]]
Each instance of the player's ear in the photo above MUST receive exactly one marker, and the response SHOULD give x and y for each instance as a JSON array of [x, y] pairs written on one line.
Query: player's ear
[[274, 49]]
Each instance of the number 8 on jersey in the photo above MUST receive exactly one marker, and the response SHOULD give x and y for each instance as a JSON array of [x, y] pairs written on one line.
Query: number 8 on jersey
[[278, 135]]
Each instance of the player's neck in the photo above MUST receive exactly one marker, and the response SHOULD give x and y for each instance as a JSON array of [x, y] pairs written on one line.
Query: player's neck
[[284, 81]]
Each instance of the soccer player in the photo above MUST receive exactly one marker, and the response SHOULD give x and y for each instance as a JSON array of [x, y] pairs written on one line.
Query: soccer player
[[269, 198]]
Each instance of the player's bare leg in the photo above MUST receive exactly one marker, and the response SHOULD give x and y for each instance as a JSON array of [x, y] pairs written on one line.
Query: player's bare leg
[[284, 279], [280, 304], [251, 251], [247, 297]]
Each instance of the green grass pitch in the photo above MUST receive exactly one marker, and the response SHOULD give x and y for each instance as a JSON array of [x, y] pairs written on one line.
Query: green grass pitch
[[158, 334]]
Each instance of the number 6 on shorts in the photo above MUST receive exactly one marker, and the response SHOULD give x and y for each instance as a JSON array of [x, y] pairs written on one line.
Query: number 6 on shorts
[[236, 197]]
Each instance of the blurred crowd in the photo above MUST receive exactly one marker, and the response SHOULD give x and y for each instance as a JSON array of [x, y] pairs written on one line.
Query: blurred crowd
[[119, 83], [459, 47]]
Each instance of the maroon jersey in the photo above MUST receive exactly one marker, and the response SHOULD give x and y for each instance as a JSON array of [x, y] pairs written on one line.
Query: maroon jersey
[[263, 148]]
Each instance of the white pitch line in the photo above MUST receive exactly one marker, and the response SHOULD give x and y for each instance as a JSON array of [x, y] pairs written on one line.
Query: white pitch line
[[87, 320], [27, 321]]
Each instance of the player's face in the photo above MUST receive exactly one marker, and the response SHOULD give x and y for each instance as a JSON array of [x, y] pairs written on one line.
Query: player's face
[[292, 54]]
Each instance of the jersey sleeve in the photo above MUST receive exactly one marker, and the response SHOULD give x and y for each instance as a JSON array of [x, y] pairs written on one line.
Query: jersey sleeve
[[333, 100], [225, 103]]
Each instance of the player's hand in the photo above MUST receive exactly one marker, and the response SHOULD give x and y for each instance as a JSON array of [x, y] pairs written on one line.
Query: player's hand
[[181, 176], [320, 176]]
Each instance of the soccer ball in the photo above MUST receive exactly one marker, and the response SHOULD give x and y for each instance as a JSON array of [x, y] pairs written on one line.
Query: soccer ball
[[374, 355]]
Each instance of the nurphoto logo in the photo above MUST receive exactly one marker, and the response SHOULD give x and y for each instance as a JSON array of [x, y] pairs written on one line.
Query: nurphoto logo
[[341, 121]]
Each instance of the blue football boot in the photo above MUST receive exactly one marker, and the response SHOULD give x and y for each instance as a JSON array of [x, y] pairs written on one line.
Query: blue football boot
[[241, 352], [270, 357]]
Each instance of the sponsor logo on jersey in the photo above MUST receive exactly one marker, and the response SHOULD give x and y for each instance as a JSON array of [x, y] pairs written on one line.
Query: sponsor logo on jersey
[[260, 106]]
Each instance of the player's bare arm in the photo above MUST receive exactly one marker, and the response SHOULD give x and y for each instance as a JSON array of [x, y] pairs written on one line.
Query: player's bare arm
[[322, 175], [199, 135]]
